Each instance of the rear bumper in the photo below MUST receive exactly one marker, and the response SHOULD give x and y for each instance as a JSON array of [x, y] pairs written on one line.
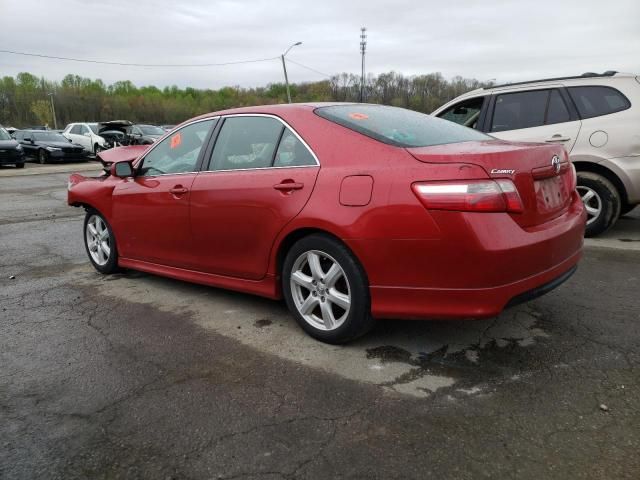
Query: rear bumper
[[433, 303], [479, 264]]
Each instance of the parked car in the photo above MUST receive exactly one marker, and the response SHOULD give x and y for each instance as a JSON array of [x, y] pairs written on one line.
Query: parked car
[[166, 128], [596, 117], [140, 134], [11, 152], [87, 135], [348, 211], [49, 146]]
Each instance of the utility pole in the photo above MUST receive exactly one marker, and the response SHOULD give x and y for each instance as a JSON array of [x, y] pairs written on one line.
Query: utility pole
[[53, 112], [363, 49], [284, 67]]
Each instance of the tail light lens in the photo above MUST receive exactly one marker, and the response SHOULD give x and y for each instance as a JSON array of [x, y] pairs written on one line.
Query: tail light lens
[[470, 196]]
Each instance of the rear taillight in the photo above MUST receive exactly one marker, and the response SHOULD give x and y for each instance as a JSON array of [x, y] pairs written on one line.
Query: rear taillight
[[470, 196]]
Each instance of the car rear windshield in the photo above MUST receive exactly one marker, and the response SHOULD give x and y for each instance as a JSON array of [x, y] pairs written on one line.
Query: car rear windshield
[[398, 126]]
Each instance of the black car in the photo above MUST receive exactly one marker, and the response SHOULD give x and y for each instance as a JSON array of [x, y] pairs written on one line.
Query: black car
[[11, 152], [145, 134], [49, 146]]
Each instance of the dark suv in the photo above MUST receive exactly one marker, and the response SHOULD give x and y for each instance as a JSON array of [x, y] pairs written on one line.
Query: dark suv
[[11, 152]]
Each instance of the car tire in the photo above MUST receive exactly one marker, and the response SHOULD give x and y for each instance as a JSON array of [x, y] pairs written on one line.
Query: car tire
[[97, 149], [626, 208], [19, 165], [43, 156], [99, 242], [602, 201], [326, 289]]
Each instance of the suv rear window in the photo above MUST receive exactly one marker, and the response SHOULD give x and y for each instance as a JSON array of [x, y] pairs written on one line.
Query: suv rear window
[[398, 126], [594, 101]]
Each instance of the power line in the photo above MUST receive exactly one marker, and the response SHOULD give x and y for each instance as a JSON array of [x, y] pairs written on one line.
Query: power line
[[309, 68], [83, 60]]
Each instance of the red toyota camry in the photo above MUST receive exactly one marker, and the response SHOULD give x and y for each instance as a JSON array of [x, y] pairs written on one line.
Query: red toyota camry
[[350, 212]]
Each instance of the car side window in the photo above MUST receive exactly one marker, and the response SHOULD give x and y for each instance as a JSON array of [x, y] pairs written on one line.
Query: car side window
[[83, 129], [292, 152], [177, 153], [19, 136], [464, 113], [75, 130], [593, 101], [519, 110], [557, 111], [246, 142]]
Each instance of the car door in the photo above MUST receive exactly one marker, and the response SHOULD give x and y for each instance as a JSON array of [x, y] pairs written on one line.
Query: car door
[[542, 115], [259, 177], [150, 212], [26, 140]]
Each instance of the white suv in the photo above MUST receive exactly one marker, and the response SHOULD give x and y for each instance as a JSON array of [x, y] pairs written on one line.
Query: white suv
[[595, 116], [86, 134]]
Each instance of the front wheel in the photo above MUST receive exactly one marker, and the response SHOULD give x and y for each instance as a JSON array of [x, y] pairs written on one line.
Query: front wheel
[[100, 243], [97, 149], [19, 165], [326, 290], [601, 200], [43, 156]]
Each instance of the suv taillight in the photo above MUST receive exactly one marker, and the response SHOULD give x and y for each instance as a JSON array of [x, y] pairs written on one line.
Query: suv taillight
[[469, 196]]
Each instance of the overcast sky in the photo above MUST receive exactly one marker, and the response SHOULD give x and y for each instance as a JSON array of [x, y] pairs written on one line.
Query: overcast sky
[[505, 40]]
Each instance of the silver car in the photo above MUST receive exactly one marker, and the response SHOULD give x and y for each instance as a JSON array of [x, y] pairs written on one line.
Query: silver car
[[595, 116]]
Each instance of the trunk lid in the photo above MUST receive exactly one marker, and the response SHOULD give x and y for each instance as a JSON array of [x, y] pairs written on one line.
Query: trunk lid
[[541, 173]]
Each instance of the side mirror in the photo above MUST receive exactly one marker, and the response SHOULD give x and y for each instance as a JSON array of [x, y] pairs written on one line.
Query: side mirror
[[122, 170], [32, 141], [70, 141]]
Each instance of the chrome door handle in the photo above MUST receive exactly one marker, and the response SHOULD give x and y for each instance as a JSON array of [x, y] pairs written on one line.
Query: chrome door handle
[[557, 138]]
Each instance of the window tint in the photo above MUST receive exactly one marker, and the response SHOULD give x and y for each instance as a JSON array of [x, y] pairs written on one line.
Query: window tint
[[246, 142], [177, 153], [557, 110], [519, 110], [76, 130], [464, 113], [595, 101], [292, 152], [397, 126], [83, 129]]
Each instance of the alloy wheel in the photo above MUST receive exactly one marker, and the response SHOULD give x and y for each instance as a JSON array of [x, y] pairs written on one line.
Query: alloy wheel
[[592, 203], [320, 290], [98, 240]]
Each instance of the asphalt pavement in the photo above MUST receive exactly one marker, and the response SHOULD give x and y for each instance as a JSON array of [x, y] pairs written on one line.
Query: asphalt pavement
[[137, 376]]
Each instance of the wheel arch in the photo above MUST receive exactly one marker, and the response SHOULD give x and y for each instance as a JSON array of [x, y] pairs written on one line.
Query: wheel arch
[[606, 173], [296, 234]]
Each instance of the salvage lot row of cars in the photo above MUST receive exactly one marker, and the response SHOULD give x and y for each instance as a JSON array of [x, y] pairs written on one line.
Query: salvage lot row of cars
[[76, 142]]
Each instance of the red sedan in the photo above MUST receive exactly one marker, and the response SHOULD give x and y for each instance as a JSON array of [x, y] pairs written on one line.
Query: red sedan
[[350, 212]]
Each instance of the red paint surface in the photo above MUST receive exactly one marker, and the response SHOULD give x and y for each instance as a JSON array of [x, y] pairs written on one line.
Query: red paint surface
[[227, 229]]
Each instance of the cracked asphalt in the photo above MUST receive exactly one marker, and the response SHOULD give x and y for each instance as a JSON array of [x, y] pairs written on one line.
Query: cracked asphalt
[[136, 376]]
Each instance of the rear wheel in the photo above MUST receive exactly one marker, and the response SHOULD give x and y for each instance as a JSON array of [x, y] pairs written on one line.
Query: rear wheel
[[100, 243], [326, 289], [601, 200], [97, 149], [19, 165], [43, 156]]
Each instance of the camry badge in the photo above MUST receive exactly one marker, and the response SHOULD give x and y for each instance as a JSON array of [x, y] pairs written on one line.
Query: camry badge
[[555, 163], [498, 170]]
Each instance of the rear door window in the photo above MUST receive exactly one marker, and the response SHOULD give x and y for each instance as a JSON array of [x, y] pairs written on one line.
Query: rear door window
[[519, 110], [246, 142], [594, 101], [292, 152], [557, 111]]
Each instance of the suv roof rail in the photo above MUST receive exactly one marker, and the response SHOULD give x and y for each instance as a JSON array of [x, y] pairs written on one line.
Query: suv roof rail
[[608, 73]]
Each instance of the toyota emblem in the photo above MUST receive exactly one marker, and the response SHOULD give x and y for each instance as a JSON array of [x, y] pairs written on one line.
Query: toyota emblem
[[555, 163]]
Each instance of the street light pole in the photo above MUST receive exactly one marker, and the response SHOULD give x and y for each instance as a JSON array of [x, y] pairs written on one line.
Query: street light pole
[[53, 112], [284, 67]]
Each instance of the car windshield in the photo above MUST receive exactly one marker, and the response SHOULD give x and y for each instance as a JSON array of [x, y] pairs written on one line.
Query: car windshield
[[93, 127], [151, 130], [398, 126], [4, 135], [49, 137]]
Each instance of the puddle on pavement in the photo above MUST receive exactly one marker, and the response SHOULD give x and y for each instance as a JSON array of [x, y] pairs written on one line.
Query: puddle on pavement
[[412, 358]]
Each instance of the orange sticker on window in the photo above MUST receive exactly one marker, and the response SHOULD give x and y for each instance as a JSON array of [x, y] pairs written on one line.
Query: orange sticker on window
[[176, 140], [359, 116]]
